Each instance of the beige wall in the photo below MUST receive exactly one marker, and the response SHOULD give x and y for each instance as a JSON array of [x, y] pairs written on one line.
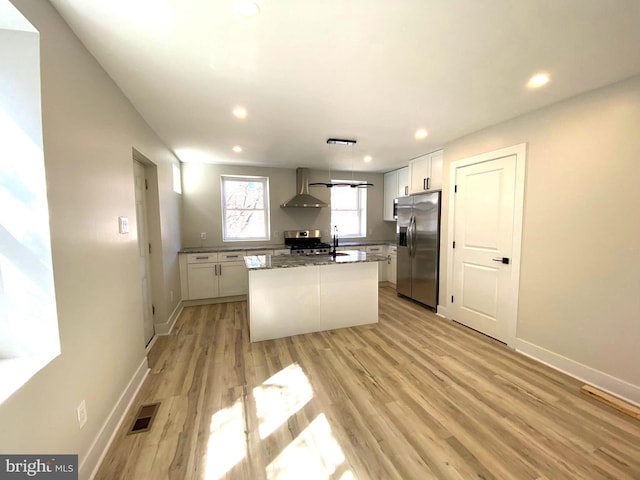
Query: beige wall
[[89, 130], [202, 203], [580, 272]]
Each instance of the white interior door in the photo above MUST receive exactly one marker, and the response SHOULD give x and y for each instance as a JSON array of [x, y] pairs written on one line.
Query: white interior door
[[485, 277], [143, 251]]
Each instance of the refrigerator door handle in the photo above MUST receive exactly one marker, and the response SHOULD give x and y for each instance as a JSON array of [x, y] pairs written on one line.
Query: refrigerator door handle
[[412, 237], [409, 239]]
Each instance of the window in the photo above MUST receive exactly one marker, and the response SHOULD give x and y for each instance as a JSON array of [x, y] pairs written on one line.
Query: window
[[349, 210], [245, 208], [29, 337]]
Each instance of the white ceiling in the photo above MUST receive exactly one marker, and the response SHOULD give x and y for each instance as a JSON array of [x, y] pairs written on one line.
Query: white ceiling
[[370, 70]]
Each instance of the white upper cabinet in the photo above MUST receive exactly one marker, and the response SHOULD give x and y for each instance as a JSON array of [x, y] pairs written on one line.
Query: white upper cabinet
[[396, 184], [403, 182], [425, 173], [390, 192]]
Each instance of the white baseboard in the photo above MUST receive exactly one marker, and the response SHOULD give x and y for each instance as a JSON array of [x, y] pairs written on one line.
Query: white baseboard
[[443, 312], [165, 328], [615, 386], [100, 446]]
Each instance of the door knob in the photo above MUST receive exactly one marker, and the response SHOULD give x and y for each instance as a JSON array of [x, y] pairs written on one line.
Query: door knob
[[504, 260]]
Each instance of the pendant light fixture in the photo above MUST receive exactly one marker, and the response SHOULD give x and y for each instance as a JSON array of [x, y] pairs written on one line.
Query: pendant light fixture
[[352, 184]]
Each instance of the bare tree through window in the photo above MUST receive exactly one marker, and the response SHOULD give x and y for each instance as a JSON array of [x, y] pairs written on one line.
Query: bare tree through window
[[245, 208]]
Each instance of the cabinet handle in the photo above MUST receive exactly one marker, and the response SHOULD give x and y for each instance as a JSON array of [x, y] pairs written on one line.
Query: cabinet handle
[[220, 269], [232, 256], [202, 258], [428, 183], [406, 190], [215, 269]]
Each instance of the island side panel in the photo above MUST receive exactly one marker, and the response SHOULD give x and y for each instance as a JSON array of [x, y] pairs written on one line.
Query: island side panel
[[349, 295], [283, 302]]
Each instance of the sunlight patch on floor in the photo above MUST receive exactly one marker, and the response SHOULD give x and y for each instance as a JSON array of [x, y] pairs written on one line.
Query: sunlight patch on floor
[[227, 442], [280, 397], [313, 455]]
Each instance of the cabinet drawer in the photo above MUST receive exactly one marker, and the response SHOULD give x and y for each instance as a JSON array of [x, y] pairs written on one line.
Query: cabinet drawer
[[202, 257], [282, 251], [376, 249], [231, 256], [393, 250]]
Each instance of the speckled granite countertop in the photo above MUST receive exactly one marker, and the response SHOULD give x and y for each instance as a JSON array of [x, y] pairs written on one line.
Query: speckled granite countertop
[[248, 248], [261, 262], [235, 248]]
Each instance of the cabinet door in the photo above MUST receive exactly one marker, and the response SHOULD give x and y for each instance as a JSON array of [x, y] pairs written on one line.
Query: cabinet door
[[382, 266], [419, 173], [392, 268], [282, 251], [233, 279], [403, 182], [203, 280], [390, 193], [436, 171]]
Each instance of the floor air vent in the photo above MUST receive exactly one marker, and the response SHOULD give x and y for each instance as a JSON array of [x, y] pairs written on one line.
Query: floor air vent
[[144, 418]]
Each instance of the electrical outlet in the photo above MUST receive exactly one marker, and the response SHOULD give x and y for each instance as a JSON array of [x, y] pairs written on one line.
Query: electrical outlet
[[82, 413], [203, 236]]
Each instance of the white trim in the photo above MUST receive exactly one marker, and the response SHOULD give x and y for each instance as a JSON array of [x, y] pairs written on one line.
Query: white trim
[[520, 151], [613, 385], [443, 312], [100, 446], [166, 327]]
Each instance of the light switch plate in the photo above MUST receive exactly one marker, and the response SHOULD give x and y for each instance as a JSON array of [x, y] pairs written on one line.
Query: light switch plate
[[123, 225], [203, 236]]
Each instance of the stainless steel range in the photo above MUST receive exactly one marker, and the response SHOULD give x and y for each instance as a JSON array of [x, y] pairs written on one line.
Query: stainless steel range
[[306, 242]]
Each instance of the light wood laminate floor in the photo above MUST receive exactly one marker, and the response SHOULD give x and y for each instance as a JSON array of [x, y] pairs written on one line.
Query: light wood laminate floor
[[412, 397]]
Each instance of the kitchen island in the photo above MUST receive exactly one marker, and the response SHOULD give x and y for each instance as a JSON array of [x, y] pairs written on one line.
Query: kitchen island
[[292, 295]]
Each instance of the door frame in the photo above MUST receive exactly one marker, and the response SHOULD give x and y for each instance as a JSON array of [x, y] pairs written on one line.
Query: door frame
[[520, 151]]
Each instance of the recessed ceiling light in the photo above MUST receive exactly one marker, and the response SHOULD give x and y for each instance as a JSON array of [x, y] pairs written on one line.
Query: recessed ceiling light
[[368, 158], [239, 112], [538, 80], [246, 9], [421, 133], [237, 149]]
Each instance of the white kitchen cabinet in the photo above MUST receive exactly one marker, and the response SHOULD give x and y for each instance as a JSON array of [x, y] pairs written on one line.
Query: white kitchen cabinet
[[202, 276], [390, 193], [232, 279], [425, 173], [382, 266], [282, 251], [213, 275], [392, 264], [396, 184], [403, 182]]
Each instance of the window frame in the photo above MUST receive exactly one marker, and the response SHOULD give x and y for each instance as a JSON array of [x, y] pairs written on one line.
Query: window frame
[[361, 209], [267, 207]]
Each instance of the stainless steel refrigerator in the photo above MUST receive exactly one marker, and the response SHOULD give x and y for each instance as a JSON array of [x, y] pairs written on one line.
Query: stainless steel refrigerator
[[418, 236]]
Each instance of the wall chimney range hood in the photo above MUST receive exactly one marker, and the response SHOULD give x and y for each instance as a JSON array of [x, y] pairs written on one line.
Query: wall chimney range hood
[[302, 199]]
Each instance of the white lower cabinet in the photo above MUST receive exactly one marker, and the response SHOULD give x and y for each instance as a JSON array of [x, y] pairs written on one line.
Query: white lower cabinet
[[392, 264], [382, 266], [232, 279], [213, 275]]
